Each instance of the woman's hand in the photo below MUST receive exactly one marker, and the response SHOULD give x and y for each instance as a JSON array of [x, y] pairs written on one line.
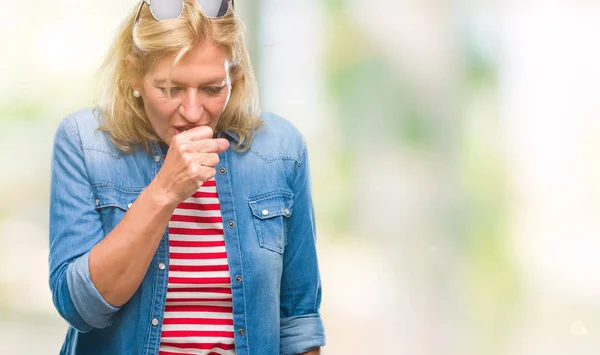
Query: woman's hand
[[191, 160]]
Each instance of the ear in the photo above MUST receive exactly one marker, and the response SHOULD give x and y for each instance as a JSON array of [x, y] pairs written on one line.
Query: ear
[[133, 74]]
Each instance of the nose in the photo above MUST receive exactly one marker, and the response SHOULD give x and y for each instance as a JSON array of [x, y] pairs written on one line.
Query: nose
[[191, 107]]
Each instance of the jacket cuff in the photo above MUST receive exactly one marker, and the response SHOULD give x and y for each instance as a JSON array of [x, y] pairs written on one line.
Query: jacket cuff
[[300, 334], [88, 302]]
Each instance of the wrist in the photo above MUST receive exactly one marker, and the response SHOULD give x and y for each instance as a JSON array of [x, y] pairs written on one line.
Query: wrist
[[161, 197]]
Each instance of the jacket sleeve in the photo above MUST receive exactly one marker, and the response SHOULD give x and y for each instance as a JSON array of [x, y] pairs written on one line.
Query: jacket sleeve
[[301, 325], [75, 227]]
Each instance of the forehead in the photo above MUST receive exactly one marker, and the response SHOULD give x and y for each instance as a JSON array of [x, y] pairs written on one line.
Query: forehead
[[204, 61]]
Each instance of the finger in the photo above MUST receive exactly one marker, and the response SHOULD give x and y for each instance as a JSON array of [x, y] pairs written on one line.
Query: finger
[[223, 145], [206, 173], [215, 145], [197, 133], [208, 159]]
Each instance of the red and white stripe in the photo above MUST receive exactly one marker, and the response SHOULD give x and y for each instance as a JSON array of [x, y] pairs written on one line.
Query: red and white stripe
[[198, 316]]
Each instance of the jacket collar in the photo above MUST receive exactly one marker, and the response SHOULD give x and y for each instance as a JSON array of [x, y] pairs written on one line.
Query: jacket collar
[[233, 136]]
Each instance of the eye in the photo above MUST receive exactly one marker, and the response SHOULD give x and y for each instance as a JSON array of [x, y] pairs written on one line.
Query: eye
[[173, 91], [212, 90]]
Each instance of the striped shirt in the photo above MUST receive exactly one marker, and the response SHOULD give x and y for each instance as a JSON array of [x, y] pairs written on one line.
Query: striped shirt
[[198, 316]]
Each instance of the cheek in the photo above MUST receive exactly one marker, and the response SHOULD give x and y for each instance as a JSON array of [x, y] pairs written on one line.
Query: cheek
[[159, 112], [216, 105], [159, 109]]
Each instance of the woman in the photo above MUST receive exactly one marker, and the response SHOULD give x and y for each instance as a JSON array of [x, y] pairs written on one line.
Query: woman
[[181, 219]]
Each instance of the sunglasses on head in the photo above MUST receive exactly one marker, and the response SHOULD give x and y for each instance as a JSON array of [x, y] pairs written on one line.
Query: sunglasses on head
[[171, 9]]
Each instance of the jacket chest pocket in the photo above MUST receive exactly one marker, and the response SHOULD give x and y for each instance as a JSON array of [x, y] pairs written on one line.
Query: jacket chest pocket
[[112, 203], [271, 212]]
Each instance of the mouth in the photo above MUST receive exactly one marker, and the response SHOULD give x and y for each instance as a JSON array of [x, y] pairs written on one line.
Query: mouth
[[180, 129]]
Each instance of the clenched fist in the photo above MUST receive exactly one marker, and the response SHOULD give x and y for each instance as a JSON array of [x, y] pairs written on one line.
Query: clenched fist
[[191, 160]]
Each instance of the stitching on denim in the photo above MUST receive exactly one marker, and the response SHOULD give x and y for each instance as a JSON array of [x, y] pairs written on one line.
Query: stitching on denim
[[105, 185], [240, 256], [102, 150], [271, 194], [302, 159], [71, 124], [273, 158]]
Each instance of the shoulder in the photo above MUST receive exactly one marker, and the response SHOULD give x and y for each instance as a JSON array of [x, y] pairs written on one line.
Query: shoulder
[[278, 138], [82, 127], [83, 120]]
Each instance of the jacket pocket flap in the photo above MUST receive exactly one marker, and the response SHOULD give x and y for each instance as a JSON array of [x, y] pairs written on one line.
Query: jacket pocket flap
[[273, 204], [110, 196]]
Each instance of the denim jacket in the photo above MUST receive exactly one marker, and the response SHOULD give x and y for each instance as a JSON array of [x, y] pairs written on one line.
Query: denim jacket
[[275, 281]]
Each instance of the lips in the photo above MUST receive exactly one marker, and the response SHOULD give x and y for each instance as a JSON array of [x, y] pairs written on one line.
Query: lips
[[180, 129]]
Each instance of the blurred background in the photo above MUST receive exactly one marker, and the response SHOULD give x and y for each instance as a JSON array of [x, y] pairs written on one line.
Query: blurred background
[[454, 150]]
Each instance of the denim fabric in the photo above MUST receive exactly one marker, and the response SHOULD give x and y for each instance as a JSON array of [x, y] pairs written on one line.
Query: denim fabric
[[275, 280]]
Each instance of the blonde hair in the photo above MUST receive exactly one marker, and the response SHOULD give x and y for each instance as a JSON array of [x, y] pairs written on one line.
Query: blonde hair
[[124, 117]]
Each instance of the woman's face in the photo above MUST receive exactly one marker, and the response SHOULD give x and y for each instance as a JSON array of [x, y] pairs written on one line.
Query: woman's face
[[200, 90]]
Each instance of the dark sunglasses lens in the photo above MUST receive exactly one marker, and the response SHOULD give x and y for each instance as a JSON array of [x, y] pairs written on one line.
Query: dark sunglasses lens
[[214, 8], [166, 9]]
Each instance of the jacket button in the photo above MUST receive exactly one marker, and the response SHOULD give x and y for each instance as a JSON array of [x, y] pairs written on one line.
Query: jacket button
[[155, 322], [157, 158], [222, 171], [129, 205], [238, 278], [162, 266], [241, 332], [265, 212], [231, 224], [97, 202], [286, 211]]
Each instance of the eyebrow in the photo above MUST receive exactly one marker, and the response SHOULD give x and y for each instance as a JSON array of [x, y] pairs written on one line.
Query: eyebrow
[[217, 81]]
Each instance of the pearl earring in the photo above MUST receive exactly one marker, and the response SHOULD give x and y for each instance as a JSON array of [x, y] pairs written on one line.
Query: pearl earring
[[136, 93]]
